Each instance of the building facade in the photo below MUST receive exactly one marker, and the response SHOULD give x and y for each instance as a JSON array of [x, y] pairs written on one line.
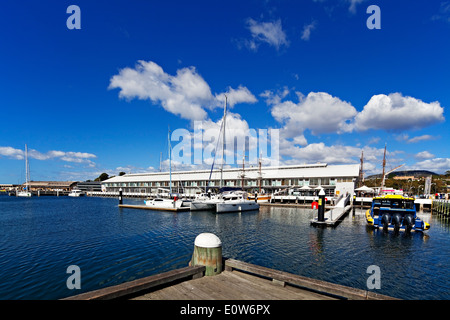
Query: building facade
[[51, 185], [335, 179]]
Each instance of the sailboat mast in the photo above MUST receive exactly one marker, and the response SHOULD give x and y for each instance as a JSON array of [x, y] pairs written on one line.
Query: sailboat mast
[[361, 170], [170, 164], [384, 166], [243, 170], [260, 173], [223, 142], [27, 173]]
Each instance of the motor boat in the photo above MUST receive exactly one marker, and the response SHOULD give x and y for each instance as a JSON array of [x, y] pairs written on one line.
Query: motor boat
[[235, 201], [395, 212], [76, 193]]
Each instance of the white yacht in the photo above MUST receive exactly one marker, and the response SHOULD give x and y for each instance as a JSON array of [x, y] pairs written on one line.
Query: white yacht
[[76, 193], [235, 202], [26, 192], [167, 203]]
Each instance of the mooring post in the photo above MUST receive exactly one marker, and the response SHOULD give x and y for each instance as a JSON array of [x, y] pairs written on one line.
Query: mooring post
[[208, 253], [354, 203], [321, 208], [120, 196]]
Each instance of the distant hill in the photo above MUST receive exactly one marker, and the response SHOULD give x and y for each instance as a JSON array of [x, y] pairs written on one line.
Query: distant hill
[[415, 173]]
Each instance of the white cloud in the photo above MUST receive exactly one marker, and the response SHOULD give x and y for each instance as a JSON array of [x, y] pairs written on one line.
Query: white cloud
[[318, 112], [353, 4], [444, 12], [186, 94], [405, 138], [77, 157], [236, 133], [438, 165], [306, 34], [182, 94], [396, 112], [319, 152], [424, 155], [12, 153], [235, 96], [266, 32]]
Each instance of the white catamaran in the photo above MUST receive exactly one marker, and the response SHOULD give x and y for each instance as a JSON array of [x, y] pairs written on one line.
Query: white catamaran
[[226, 201], [26, 192]]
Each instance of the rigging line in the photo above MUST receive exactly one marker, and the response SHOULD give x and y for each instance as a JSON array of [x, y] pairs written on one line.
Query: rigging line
[[215, 153]]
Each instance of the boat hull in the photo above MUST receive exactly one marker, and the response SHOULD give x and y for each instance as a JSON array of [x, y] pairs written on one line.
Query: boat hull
[[167, 203], [395, 213], [24, 194], [202, 205], [238, 206], [75, 194]]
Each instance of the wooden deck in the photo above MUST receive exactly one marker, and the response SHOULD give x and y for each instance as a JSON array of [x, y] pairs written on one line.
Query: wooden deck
[[239, 281], [231, 285]]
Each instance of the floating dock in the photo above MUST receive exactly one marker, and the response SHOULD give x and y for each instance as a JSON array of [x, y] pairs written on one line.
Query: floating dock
[[238, 281], [333, 216], [144, 207]]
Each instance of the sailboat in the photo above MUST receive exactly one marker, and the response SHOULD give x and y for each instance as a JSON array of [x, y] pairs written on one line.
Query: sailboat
[[226, 201], [26, 192], [173, 202]]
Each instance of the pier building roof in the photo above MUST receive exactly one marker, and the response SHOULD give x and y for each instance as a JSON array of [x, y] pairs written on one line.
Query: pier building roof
[[319, 170]]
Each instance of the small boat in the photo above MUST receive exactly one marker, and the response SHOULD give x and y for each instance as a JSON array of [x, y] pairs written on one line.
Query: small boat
[[76, 193], [235, 202], [167, 203], [395, 212], [260, 198], [26, 191]]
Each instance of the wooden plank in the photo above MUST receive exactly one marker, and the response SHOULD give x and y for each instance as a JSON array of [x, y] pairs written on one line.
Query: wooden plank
[[212, 288], [231, 286], [264, 289], [313, 284], [237, 289], [139, 285], [287, 292]]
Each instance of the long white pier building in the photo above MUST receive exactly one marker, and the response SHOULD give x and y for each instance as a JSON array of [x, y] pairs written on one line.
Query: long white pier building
[[334, 179]]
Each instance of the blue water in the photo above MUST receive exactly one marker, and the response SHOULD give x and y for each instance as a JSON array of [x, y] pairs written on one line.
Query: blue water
[[41, 237]]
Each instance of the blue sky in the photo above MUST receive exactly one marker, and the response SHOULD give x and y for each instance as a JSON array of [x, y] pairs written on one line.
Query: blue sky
[[101, 98]]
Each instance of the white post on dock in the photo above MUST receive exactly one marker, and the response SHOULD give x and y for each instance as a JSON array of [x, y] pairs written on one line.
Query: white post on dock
[[208, 253]]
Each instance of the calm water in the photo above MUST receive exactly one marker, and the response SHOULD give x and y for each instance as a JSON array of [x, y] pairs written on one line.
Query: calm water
[[41, 237]]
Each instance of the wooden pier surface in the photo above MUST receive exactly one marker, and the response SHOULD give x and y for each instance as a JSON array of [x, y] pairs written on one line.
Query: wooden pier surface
[[231, 285], [239, 281]]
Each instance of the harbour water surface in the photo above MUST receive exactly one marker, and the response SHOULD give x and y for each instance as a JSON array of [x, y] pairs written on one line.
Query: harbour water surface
[[41, 237]]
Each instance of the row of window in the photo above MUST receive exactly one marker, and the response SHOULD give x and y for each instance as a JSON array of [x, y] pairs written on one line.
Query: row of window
[[236, 183]]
